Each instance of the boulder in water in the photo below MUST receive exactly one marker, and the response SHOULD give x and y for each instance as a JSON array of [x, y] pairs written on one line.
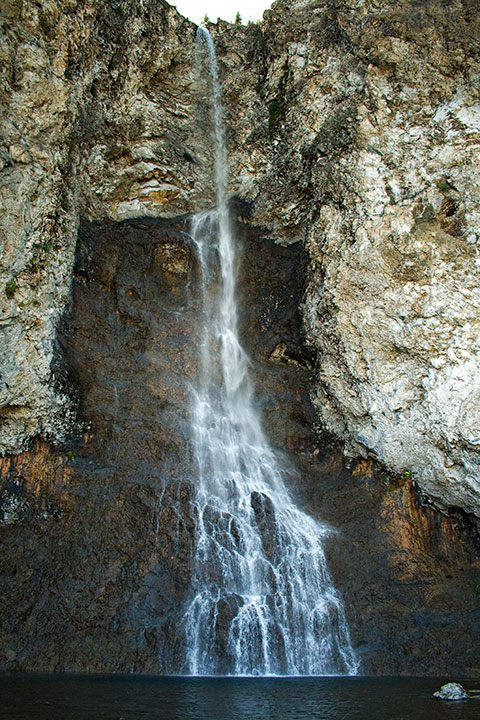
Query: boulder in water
[[451, 691]]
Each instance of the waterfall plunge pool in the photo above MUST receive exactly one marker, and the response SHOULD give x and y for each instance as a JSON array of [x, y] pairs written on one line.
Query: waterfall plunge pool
[[117, 697]]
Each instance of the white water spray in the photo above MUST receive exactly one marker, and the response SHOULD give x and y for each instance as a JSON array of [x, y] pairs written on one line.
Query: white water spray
[[262, 601]]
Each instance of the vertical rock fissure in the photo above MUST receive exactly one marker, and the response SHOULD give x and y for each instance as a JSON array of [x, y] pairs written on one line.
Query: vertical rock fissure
[[262, 601]]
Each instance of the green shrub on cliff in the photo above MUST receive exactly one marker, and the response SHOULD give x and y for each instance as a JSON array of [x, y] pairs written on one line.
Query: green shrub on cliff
[[10, 288]]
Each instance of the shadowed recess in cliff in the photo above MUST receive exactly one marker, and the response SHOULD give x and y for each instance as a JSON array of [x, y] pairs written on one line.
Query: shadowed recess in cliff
[[262, 600]]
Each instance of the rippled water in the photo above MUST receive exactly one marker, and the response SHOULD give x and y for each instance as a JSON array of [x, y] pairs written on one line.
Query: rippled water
[[141, 698]]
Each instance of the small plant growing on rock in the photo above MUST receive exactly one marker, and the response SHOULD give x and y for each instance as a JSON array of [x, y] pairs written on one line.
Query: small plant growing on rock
[[43, 246], [33, 302], [10, 288], [64, 202], [475, 586], [238, 19], [407, 475]]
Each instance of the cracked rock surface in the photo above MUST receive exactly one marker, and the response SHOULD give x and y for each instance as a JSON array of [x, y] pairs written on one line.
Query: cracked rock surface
[[353, 127]]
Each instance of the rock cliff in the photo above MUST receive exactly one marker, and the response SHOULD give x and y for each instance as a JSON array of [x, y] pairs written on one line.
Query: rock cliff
[[367, 150], [353, 129], [89, 127], [353, 126]]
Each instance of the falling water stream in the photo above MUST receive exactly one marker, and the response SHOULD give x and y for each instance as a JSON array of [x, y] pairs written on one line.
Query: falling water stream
[[262, 601]]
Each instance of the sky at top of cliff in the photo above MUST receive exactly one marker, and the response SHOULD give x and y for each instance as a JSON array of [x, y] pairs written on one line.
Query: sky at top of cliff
[[226, 10]]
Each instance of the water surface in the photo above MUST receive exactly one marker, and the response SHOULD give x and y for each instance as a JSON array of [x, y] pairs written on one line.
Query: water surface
[[24, 697]]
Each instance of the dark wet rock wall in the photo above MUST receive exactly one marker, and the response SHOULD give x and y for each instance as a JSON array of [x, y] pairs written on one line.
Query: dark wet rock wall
[[97, 533]]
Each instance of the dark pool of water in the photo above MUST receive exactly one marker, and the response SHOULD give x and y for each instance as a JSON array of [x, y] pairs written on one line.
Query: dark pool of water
[[24, 697]]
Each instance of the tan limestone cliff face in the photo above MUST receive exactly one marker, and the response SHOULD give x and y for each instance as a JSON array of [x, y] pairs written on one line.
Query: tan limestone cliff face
[[352, 126], [97, 120], [372, 134], [37, 220], [394, 318]]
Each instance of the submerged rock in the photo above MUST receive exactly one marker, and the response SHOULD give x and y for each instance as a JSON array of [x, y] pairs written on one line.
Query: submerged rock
[[451, 691]]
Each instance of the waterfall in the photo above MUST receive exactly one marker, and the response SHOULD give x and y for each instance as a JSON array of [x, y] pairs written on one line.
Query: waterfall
[[262, 601]]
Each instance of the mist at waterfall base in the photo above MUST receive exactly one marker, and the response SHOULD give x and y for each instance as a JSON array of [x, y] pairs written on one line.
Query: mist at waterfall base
[[142, 698]]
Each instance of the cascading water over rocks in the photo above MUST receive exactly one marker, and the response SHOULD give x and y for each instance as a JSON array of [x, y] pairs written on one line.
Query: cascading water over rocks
[[262, 601]]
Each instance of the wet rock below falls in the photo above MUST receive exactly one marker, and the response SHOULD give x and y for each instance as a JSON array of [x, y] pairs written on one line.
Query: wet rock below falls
[[97, 534]]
